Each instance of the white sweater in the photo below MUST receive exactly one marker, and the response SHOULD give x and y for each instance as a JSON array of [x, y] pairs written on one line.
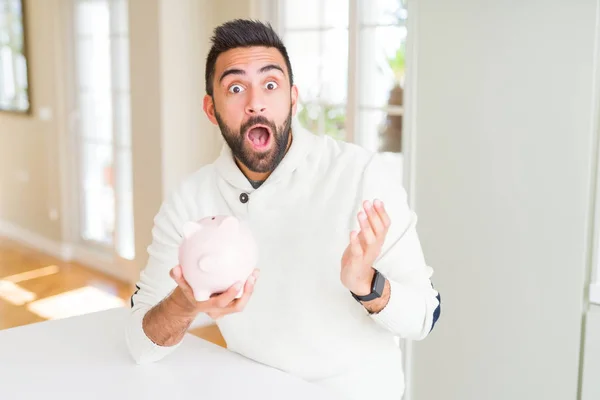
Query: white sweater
[[300, 318]]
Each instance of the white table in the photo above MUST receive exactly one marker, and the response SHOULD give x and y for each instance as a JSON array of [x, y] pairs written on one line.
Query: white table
[[86, 358]]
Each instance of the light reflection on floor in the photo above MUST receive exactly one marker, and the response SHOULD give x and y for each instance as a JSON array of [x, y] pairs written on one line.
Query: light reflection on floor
[[80, 301], [36, 273], [15, 294], [90, 298]]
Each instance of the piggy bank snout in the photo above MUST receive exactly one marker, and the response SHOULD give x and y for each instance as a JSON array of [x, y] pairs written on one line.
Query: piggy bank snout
[[217, 251], [207, 263]]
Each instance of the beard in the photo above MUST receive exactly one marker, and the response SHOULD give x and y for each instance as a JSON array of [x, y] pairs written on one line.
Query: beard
[[255, 161]]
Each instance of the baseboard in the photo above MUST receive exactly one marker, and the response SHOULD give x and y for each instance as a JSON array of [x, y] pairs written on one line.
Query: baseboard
[[98, 260], [35, 240]]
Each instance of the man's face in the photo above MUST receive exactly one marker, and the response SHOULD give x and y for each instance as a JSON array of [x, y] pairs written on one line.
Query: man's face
[[253, 105]]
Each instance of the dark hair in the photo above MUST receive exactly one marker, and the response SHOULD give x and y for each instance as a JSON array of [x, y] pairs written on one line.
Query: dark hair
[[242, 33]]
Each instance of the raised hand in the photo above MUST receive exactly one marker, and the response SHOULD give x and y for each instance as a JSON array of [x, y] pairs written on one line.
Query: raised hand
[[364, 248]]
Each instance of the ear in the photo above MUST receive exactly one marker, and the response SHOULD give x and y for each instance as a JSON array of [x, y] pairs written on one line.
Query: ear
[[230, 223], [209, 109], [294, 94], [189, 228]]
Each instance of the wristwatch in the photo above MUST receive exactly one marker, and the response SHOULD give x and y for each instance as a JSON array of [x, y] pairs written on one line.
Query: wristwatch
[[377, 285]]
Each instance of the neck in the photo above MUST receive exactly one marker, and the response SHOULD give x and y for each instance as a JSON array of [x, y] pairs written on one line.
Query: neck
[[260, 176], [255, 176]]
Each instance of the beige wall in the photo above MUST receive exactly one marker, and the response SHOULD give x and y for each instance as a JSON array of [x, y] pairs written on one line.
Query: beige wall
[[29, 150], [171, 136]]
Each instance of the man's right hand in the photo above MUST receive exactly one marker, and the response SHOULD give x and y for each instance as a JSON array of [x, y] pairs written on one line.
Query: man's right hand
[[167, 323], [219, 304]]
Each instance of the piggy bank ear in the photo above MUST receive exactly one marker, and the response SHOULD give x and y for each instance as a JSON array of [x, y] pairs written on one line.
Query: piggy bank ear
[[189, 228], [230, 223]]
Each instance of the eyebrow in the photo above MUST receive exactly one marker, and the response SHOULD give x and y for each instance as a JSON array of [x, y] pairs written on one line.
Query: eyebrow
[[237, 71], [270, 67]]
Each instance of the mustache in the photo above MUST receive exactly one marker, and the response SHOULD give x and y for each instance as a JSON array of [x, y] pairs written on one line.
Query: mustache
[[257, 120]]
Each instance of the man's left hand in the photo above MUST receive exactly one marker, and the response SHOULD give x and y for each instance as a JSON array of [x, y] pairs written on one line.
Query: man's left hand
[[365, 246]]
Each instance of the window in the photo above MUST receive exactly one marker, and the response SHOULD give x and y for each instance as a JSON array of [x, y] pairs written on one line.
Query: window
[[14, 79], [104, 132], [348, 59]]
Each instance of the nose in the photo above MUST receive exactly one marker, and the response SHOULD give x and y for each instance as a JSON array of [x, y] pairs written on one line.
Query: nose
[[256, 104]]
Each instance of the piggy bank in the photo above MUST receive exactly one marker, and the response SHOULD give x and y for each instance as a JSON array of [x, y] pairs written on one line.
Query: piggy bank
[[216, 252]]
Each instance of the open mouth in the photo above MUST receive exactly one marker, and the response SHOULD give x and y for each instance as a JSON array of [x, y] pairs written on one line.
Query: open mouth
[[259, 136]]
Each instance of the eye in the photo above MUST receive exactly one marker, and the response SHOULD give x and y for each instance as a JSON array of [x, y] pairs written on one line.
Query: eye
[[236, 89], [271, 85]]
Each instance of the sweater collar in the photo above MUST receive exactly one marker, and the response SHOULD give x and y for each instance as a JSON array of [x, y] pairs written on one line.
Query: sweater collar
[[303, 142]]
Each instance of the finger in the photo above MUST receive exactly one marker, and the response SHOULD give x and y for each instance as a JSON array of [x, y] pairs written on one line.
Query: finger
[[214, 314], [367, 236], [374, 219], [177, 275], [380, 208], [222, 300], [239, 304], [355, 246]]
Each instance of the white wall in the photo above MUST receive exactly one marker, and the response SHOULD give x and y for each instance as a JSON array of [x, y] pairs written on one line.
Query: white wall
[[591, 360], [502, 173]]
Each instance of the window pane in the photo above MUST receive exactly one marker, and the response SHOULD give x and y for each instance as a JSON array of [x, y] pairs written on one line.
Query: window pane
[[381, 65], [122, 115], [323, 119], [97, 193], [93, 62], [92, 17], [336, 13], [382, 12], [120, 63], [311, 14], [95, 121], [320, 64], [391, 133], [371, 128], [301, 14], [303, 49], [334, 64], [119, 17]]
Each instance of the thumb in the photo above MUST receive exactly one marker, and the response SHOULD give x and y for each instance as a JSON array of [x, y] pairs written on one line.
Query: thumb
[[176, 272], [177, 275]]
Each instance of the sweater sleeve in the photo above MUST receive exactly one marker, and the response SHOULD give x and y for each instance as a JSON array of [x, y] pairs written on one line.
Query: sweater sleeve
[[155, 282], [414, 305]]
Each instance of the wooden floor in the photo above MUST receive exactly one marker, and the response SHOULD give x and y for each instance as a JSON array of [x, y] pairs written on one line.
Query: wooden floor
[[35, 287]]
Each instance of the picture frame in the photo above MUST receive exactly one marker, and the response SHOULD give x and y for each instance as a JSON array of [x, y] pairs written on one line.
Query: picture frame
[[15, 90]]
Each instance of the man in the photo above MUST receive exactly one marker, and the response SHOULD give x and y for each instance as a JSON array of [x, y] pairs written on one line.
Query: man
[[341, 269]]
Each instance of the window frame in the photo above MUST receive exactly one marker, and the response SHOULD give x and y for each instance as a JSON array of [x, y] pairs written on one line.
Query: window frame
[[274, 12]]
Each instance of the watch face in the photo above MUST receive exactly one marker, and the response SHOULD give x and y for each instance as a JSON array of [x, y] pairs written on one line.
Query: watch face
[[377, 287], [379, 284]]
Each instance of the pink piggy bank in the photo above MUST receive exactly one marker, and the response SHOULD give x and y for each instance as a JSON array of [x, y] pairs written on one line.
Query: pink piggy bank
[[216, 252]]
